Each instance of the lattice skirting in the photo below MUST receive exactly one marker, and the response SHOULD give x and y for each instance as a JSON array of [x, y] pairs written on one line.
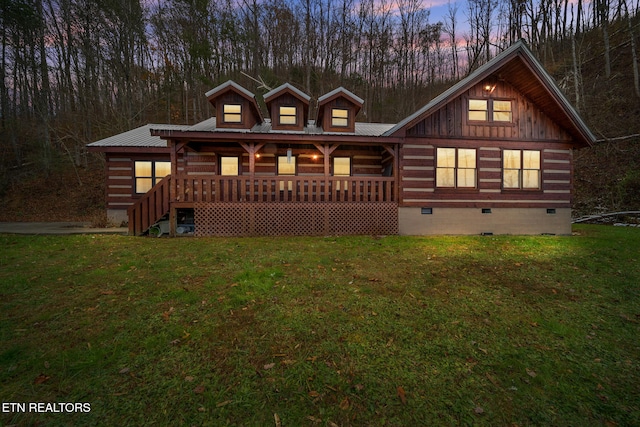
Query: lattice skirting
[[299, 219]]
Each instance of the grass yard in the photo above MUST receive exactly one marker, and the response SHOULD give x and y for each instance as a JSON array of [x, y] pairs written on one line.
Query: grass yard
[[347, 331]]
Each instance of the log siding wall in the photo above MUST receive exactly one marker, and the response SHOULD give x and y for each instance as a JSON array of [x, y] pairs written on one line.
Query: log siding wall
[[530, 129], [365, 161], [120, 185], [418, 186], [120, 175]]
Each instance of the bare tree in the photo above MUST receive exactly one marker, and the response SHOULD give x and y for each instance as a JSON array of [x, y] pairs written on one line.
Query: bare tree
[[450, 28], [634, 53]]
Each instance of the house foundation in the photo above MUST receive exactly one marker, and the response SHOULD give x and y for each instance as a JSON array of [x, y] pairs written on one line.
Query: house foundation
[[426, 221]]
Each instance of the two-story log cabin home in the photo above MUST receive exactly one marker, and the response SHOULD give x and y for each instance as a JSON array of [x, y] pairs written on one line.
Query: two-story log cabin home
[[493, 154]]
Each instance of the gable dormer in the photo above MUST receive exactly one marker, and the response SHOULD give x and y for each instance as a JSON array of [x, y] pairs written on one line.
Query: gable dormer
[[288, 107], [337, 110], [236, 107]]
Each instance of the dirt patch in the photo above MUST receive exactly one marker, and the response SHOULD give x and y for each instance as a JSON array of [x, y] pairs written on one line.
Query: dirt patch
[[64, 194]]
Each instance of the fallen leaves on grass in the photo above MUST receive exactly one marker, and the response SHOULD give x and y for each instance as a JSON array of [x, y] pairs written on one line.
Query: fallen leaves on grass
[[493, 380], [402, 395], [166, 314], [41, 379], [345, 404]]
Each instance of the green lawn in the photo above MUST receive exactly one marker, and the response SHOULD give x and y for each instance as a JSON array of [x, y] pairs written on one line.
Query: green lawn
[[398, 331]]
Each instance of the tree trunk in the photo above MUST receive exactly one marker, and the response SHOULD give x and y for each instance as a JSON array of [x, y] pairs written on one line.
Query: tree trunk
[[634, 54]]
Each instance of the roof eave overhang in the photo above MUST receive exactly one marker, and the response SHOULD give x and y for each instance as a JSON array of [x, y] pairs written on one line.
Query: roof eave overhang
[[127, 149], [272, 137]]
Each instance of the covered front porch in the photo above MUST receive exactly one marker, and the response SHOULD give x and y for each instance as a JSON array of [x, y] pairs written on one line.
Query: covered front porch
[[238, 188]]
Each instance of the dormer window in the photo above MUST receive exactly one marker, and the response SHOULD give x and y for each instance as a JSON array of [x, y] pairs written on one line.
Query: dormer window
[[288, 115], [490, 110], [339, 117], [337, 111], [232, 113]]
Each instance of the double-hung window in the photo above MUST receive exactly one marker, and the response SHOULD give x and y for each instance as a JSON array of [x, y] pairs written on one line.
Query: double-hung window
[[479, 110], [288, 116], [521, 169], [339, 117], [148, 173], [456, 168], [232, 113], [501, 111]]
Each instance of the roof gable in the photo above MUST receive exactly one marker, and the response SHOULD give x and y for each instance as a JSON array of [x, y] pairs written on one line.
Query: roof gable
[[286, 88], [518, 67], [231, 87], [339, 98], [288, 107], [356, 100]]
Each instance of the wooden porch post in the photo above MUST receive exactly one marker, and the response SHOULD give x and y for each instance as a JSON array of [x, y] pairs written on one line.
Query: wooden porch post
[[326, 151], [252, 148], [394, 150], [173, 188]]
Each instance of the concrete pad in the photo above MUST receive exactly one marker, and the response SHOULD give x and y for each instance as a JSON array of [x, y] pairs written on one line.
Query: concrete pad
[[56, 228]]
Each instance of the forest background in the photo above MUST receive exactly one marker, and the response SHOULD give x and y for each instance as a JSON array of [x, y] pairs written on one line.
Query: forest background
[[75, 71]]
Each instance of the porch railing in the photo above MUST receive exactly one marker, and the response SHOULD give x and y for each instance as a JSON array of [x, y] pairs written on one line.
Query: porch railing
[[150, 208], [279, 189]]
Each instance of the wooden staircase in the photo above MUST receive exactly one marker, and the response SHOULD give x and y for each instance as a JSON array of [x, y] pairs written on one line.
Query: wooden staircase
[[150, 208]]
